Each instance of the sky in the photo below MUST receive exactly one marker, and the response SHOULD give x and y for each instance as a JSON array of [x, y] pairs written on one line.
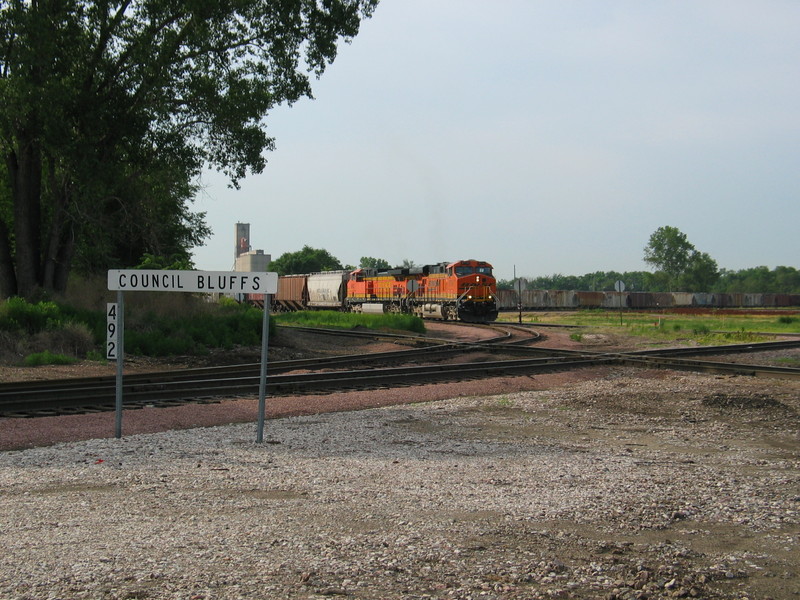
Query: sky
[[543, 137]]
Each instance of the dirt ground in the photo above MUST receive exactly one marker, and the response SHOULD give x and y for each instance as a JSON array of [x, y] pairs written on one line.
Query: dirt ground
[[710, 507]]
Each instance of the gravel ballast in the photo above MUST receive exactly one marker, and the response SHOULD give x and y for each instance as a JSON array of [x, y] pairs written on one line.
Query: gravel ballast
[[635, 485]]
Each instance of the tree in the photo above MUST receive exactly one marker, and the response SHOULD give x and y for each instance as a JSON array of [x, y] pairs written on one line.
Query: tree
[[307, 260], [367, 262], [669, 251], [701, 273], [110, 109]]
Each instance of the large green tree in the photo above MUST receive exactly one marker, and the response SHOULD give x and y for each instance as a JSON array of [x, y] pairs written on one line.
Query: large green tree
[[110, 109], [307, 260], [678, 262], [668, 250]]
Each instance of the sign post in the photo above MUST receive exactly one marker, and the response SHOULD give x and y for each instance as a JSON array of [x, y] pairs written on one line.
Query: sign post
[[619, 285], [262, 382], [120, 362], [228, 282]]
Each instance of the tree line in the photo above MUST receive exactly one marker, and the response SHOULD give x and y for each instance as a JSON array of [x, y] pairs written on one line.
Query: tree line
[[679, 266], [780, 280]]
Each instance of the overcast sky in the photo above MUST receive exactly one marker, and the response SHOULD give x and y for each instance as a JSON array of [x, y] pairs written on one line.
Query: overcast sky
[[551, 136]]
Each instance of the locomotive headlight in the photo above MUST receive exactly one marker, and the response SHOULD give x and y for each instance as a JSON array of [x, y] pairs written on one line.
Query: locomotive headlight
[[469, 297]]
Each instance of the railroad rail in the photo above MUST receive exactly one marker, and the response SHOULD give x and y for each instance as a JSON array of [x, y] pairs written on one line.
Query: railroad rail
[[365, 371]]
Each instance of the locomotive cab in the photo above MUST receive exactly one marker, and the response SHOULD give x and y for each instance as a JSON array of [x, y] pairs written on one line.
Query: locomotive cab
[[476, 290]]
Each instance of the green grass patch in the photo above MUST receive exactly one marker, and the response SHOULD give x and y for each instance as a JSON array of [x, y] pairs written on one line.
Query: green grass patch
[[47, 358], [341, 320], [789, 361], [717, 327]]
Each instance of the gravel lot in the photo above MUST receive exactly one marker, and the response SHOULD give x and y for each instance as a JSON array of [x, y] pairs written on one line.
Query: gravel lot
[[619, 483]]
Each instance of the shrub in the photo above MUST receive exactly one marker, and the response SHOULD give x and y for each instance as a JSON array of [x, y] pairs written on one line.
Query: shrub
[[16, 314], [72, 339]]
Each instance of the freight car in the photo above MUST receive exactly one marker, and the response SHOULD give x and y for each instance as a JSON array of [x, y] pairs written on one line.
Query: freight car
[[563, 299], [464, 290]]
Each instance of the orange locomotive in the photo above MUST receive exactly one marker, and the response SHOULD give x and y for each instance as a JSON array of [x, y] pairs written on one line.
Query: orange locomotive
[[465, 290]]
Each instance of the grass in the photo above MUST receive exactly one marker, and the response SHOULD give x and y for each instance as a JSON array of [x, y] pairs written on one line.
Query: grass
[[339, 320], [713, 328], [47, 358]]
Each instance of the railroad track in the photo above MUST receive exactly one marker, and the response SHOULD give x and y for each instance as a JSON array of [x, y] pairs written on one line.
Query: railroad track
[[351, 372]]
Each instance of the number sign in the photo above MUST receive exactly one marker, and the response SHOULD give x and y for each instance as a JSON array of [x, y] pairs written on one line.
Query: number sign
[[112, 332]]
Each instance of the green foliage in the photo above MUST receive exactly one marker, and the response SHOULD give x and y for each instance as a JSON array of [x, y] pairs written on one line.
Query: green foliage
[[111, 111], [47, 358], [368, 262], [786, 320], [177, 330], [702, 276], [307, 260], [165, 263], [780, 280], [340, 320], [668, 250], [685, 269], [18, 315], [228, 326]]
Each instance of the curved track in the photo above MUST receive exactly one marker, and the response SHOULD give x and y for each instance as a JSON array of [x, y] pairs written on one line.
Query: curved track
[[364, 371]]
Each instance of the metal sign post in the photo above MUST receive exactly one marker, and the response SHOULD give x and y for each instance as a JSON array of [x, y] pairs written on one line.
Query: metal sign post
[[120, 362], [262, 382], [228, 282], [619, 285]]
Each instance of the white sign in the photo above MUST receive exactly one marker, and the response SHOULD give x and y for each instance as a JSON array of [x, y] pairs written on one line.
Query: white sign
[[112, 332], [228, 282]]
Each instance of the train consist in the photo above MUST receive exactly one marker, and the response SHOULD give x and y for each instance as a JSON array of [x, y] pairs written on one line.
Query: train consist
[[563, 299], [464, 290]]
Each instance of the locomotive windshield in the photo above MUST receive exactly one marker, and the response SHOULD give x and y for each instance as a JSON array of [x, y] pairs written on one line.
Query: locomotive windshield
[[464, 270]]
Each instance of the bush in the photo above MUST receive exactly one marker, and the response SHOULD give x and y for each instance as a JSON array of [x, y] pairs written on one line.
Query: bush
[[73, 339], [18, 315], [224, 326]]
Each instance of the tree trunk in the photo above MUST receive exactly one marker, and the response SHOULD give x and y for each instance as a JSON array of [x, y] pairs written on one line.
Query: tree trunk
[[8, 278], [61, 239], [25, 169]]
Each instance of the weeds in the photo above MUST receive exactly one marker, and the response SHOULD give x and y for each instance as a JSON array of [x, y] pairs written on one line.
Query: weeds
[[47, 358]]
